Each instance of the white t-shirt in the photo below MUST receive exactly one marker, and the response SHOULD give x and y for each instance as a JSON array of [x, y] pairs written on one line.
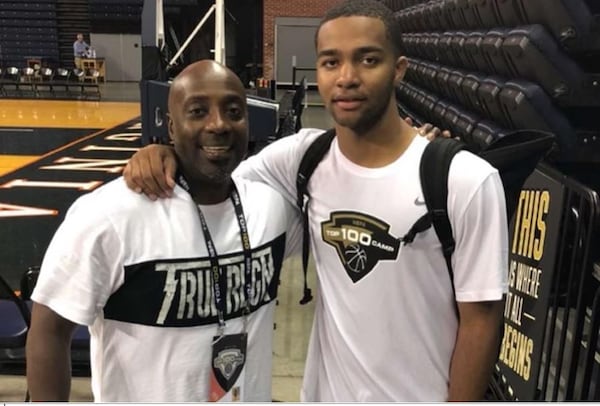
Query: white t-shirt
[[385, 322], [137, 273]]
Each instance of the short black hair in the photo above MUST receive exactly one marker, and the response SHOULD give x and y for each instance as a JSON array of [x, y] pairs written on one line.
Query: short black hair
[[367, 8]]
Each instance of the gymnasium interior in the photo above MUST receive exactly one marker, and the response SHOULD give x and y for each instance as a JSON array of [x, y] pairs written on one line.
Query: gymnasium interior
[[482, 69]]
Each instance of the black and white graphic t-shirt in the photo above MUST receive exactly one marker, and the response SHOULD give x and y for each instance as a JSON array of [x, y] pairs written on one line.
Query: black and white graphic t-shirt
[[137, 273]]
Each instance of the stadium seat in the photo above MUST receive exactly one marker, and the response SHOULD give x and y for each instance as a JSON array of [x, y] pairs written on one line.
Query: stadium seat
[[402, 18], [533, 54], [420, 96], [405, 93], [405, 111], [527, 106], [455, 80], [419, 15], [454, 14], [411, 43], [470, 84], [439, 112], [570, 22], [484, 133], [443, 48], [416, 72], [442, 77], [450, 118], [433, 14], [428, 106], [439, 16], [414, 44], [457, 49], [407, 43], [430, 71], [413, 93], [400, 91], [486, 13], [491, 48], [430, 46], [487, 94], [509, 13], [420, 73], [411, 69], [465, 124], [473, 53], [470, 15]]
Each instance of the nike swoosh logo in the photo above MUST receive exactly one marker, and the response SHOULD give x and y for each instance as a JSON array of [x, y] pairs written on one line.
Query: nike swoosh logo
[[419, 202]]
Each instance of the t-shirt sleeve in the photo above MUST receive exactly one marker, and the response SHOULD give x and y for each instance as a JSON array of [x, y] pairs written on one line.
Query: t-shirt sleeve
[[293, 242], [277, 164], [82, 264], [480, 261]]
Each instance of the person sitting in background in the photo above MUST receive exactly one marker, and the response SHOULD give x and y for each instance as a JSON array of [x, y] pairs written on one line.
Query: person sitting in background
[[80, 48]]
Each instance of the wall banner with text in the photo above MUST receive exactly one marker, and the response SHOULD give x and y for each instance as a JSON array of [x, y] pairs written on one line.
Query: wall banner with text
[[534, 235]]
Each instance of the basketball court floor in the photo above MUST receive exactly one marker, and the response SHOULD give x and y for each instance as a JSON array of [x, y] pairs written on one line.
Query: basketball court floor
[[53, 151]]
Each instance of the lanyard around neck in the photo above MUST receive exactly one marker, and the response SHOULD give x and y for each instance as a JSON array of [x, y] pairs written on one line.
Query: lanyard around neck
[[219, 279]]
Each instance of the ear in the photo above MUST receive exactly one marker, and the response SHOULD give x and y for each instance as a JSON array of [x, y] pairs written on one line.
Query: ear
[[170, 127], [401, 65]]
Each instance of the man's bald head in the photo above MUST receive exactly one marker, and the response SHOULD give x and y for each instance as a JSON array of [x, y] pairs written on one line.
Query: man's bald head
[[208, 123], [205, 70]]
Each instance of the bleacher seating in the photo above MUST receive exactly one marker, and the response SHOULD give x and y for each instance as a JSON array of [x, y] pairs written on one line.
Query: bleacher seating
[[103, 12], [532, 54], [526, 105], [480, 46], [570, 22], [487, 95]]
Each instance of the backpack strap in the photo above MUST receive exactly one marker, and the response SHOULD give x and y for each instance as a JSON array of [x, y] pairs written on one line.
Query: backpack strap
[[435, 165], [311, 159]]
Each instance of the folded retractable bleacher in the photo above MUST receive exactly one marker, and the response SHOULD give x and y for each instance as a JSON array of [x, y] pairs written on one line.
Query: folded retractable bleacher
[[27, 29], [120, 11], [486, 68], [471, 44]]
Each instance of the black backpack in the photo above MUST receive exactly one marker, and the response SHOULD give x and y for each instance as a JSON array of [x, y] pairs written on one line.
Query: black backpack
[[515, 155]]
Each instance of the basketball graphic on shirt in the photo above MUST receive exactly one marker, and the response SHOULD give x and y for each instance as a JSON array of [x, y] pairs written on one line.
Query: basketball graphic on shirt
[[360, 240], [356, 258]]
